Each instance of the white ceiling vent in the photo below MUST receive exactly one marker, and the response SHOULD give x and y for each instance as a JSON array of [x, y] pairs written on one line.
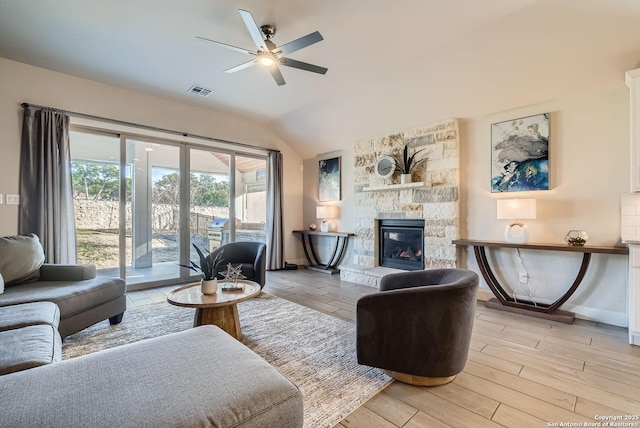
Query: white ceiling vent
[[200, 90]]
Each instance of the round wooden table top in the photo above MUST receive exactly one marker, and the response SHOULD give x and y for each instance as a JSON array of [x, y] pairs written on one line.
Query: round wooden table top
[[190, 295]]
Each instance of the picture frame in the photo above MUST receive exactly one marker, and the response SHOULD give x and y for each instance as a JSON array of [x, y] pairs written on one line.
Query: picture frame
[[520, 154], [329, 179]]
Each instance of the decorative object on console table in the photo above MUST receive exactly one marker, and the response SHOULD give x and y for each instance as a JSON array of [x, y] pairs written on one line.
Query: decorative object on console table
[[505, 302], [516, 210], [329, 180], [326, 213], [311, 255], [520, 154], [576, 238]]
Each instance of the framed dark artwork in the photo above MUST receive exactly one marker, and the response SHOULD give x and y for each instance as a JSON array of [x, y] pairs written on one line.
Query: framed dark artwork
[[520, 154], [329, 179]]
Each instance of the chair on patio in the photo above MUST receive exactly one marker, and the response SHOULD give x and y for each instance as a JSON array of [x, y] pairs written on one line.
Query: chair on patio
[[418, 327], [251, 255]]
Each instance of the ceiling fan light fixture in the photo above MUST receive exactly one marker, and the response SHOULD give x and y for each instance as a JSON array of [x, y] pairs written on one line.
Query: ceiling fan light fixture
[[266, 60]]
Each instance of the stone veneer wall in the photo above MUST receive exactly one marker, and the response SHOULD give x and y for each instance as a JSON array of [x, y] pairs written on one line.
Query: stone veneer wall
[[437, 205]]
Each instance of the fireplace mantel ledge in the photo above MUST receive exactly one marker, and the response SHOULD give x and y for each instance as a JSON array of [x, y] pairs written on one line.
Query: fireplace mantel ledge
[[418, 185]]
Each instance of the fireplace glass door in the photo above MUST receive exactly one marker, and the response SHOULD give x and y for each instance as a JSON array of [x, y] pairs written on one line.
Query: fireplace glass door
[[401, 244]]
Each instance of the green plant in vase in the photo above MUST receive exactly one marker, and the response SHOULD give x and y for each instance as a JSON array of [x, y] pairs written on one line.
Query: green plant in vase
[[408, 163], [207, 269]]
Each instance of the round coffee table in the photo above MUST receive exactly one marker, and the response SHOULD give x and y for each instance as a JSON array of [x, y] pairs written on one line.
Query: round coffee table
[[219, 309]]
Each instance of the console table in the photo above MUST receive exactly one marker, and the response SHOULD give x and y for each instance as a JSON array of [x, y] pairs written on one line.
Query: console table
[[341, 239], [506, 302]]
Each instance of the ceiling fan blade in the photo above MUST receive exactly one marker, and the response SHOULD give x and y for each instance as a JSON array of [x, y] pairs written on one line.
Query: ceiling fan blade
[[233, 48], [255, 32], [300, 43], [277, 75], [302, 65], [242, 66]]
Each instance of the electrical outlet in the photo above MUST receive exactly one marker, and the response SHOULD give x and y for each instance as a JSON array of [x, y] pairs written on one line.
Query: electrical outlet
[[524, 278], [13, 199]]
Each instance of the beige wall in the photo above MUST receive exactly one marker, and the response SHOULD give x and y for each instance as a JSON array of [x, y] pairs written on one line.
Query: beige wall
[[23, 83], [589, 162]]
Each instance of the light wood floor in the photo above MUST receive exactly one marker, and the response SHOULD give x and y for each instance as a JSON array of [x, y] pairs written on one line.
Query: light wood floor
[[521, 372]]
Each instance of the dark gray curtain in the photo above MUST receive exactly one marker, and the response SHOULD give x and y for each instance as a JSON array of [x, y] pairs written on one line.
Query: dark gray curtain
[[274, 230], [46, 207]]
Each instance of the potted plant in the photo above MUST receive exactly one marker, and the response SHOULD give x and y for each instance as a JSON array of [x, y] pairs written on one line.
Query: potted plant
[[206, 269], [407, 164]]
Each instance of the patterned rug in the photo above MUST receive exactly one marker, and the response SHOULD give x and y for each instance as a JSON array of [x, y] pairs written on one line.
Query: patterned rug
[[314, 350]]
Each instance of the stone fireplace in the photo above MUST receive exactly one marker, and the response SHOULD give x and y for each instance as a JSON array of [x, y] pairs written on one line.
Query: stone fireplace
[[432, 198]]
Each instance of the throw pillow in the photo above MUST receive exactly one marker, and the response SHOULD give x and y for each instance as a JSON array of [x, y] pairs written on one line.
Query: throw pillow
[[1, 284], [20, 258]]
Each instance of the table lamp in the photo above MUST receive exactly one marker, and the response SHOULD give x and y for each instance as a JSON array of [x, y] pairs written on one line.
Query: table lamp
[[516, 210], [326, 213]]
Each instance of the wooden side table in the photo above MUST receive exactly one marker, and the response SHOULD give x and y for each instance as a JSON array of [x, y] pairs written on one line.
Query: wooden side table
[[312, 257], [218, 309], [506, 302]]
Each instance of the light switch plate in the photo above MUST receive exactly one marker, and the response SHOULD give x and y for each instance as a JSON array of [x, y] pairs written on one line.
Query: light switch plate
[[13, 199], [1, 200]]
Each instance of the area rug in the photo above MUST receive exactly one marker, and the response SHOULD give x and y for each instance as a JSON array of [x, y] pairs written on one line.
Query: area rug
[[314, 350]]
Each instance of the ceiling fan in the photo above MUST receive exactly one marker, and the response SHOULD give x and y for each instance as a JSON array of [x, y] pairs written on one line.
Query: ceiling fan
[[268, 54]]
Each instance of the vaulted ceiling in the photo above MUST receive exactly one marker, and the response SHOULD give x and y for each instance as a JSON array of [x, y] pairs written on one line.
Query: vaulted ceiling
[[392, 64]]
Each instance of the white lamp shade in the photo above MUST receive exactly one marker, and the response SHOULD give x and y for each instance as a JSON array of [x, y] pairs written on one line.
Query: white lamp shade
[[326, 212], [516, 209]]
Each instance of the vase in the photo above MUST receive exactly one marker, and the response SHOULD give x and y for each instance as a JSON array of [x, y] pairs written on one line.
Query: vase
[[209, 287], [576, 238], [405, 178]]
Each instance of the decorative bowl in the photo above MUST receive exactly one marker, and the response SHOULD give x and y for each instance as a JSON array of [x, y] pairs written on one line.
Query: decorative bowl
[[576, 238]]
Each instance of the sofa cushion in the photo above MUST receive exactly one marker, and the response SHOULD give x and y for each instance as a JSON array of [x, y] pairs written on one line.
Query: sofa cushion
[[18, 316], [71, 297], [197, 377], [29, 347], [20, 258]]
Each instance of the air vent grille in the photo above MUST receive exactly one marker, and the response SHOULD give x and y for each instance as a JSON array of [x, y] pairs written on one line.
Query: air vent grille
[[200, 90]]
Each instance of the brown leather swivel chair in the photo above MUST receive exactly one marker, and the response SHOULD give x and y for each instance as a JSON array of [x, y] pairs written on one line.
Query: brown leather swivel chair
[[417, 329]]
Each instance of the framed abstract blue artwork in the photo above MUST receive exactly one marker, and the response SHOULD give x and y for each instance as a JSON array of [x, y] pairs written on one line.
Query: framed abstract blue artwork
[[329, 179], [520, 154]]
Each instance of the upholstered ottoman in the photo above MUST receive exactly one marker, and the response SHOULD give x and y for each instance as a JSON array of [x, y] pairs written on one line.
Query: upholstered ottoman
[[29, 336], [199, 377], [26, 314], [28, 347]]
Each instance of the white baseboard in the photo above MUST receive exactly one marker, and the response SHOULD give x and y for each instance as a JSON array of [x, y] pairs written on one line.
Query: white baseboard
[[590, 314], [484, 295]]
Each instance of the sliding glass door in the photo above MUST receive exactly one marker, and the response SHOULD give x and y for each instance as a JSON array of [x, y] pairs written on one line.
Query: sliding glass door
[[225, 206], [142, 203], [154, 207], [95, 173], [250, 198]]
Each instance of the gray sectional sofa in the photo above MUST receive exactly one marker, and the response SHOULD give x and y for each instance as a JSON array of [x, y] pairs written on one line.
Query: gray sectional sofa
[[42, 303], [82, 298], [195, 378]]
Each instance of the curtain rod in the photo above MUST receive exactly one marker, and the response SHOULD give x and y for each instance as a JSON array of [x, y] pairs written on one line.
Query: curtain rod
[[147, 127]]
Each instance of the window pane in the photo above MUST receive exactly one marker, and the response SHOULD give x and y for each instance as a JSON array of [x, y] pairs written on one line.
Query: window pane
[[251, 198], [209, 199], [95, 171], [155, 212]]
